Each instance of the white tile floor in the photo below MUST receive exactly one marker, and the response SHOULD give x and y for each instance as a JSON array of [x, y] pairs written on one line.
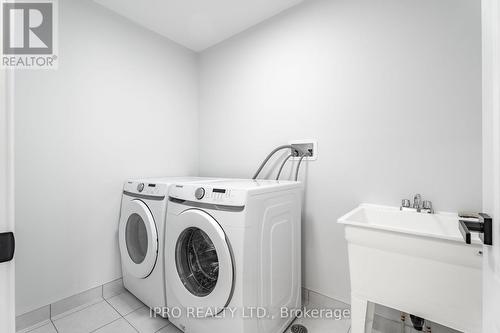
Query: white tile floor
[[124, 313]]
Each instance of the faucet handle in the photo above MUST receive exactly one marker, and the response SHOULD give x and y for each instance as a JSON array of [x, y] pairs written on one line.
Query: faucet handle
[[405, 203], [427, 207]]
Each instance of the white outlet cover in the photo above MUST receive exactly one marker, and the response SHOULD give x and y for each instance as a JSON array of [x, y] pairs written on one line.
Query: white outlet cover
[[315, 149]]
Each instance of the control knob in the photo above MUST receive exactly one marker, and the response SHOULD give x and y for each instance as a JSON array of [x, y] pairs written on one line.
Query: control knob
[[199, 193]]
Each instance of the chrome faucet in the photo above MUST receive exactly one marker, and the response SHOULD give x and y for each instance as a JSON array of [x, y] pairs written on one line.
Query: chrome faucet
[[418, 206], [417, 201]]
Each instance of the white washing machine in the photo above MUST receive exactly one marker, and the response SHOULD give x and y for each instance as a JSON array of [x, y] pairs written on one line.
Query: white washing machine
[[233, 256], [141, 236]]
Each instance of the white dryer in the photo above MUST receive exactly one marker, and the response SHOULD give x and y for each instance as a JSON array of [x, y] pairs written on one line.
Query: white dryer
[[233, 256], [141, 236]]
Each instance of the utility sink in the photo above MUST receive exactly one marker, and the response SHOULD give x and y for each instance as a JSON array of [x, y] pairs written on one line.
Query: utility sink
[[414, 262]]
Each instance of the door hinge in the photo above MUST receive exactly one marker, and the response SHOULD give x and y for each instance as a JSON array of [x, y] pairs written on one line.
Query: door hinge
[[483, 225], [7, 246]]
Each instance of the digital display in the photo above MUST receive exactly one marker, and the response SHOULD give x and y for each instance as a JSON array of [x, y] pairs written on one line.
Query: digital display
[[218, 190], [151, 185]]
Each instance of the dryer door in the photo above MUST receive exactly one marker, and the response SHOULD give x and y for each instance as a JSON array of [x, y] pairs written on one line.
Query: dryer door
[[204, 263], [138, 239]]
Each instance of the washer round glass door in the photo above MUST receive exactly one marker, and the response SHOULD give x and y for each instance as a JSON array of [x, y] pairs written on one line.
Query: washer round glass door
[[203, 261], [138, 239], [197, 262]]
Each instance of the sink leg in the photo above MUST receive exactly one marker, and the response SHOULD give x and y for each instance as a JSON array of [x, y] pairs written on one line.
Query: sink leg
[[362, 313]]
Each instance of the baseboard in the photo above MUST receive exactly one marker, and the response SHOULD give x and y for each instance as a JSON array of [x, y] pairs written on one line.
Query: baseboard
[[310, 297]]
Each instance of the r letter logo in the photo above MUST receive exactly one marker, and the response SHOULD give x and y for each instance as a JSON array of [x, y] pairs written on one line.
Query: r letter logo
[[28, 34]]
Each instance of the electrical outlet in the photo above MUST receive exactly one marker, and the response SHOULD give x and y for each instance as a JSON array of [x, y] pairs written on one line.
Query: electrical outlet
[[310, 146]]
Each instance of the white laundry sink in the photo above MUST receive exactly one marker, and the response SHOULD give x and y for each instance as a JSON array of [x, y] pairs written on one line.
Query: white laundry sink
[[417, 263]]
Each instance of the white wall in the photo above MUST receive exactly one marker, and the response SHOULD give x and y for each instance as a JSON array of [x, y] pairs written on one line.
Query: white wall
[[7, 276], [391, 89], [491, 160], [123, 103]]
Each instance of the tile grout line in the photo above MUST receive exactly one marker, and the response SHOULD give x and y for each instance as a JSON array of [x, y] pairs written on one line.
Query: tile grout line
[[168, 324], [50, 318], [54, 325], [145, 306], [123, 316], [111, 322], [131, 325], [84, 306], [119, 314], [106, 300], [34, 327], [168, 321]]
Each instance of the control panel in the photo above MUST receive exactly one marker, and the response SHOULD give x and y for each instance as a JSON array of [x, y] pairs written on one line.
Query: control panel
[[209, 194], [149, 189]]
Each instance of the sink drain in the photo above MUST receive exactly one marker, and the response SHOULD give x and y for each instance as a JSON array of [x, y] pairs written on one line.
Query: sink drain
[[298, 328]]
